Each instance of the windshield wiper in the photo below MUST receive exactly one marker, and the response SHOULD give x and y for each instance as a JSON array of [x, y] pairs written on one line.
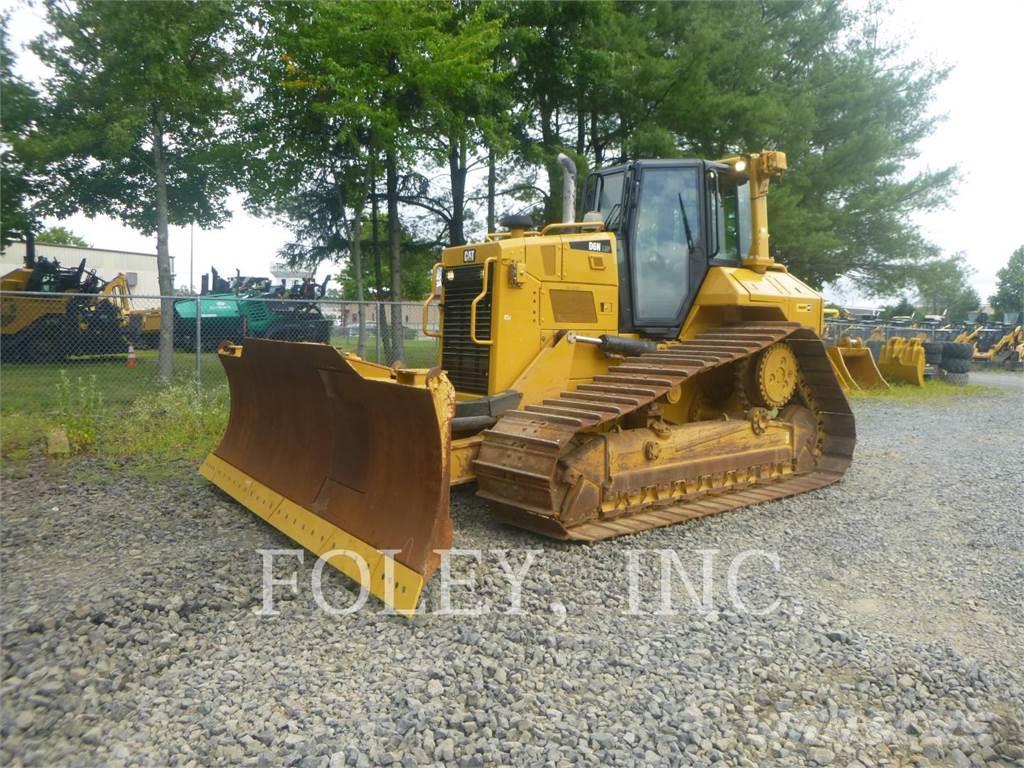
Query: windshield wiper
[[686, 226], [614, 215]]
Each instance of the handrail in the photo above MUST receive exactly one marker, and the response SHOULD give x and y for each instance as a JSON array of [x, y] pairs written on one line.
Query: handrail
[[596, 226], [434, 282], [492, 237], [472, 307]]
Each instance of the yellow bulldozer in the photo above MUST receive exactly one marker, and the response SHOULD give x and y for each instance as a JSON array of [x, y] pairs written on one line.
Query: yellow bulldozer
[[647, 365]]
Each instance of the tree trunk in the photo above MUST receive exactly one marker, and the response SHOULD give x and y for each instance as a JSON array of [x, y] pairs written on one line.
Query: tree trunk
[[457, 172], [163, 258], [395, 253], [491, 184], [377, 268], [354, 233], [357, 265], [553, 204], [581, 131]]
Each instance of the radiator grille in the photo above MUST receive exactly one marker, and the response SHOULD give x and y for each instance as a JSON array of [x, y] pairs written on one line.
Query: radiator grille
[[465, 362]]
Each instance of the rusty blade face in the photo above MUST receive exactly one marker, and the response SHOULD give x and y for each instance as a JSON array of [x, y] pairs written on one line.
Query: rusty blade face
[[355, 445]]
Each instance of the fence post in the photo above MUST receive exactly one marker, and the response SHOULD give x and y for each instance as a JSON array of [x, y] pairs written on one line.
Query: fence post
[[380, 317], [199, 346]]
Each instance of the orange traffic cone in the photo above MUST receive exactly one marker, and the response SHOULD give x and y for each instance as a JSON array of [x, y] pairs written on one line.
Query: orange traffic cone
[[132, 360]]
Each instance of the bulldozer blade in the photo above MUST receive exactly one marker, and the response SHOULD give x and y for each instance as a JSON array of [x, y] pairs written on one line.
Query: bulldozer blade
[[902, 361], [856, 367], [315, 443]]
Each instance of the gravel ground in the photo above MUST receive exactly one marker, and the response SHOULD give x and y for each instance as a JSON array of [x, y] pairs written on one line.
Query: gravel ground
[[130, 632]]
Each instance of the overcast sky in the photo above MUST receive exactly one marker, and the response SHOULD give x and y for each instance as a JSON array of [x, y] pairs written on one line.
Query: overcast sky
[[984, 124]]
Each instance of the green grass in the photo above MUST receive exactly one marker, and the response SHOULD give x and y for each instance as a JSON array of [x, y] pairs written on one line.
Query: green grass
[[419, 353], [931, 391], [33, 388], [96, 400], [177, 425], [20, 433], [122, 413]]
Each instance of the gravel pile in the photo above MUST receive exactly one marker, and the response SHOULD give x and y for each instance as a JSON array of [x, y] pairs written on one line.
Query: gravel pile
[[131, 634]]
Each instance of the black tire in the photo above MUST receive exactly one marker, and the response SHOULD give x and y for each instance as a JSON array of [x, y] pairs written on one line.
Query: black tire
[[956, 379], [956, 365], [46, 341], [149, 340], [951, 350], [933, 352], [184, 341]]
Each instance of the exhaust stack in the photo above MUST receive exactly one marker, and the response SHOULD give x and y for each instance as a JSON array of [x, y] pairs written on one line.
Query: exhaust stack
[[30, 250], [568, 188]]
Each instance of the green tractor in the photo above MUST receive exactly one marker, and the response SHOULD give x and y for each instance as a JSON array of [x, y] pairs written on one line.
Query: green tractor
[[250, 307]]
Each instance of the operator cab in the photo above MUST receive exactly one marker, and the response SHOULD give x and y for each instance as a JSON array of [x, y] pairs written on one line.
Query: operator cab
[[672, 220]]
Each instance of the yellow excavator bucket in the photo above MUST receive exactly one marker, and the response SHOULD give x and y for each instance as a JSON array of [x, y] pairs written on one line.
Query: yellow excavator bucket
[[842, 373], [902, 360], [854, 365], [315, 441]]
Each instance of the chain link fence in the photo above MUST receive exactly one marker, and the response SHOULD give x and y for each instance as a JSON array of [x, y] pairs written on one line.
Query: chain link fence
[[875, 331], [102, 350], [65, 354]]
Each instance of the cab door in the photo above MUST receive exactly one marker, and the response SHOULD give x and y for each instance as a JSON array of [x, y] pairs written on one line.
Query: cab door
[[667, 241]]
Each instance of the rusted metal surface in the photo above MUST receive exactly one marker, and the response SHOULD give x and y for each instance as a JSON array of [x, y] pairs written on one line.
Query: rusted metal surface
[[534, 463], [332, 435]]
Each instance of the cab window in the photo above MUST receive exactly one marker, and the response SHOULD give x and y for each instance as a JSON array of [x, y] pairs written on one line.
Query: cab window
[[734, 219], [668, 230], [609, 192]]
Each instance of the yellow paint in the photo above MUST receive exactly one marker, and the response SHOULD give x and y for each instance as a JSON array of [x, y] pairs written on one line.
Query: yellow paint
[[760, 168], [902, 360], [390, 581], [548, 373], [464, 451], [731, 294]]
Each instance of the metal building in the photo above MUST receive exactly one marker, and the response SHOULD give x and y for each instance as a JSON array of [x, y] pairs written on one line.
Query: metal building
[[139, 268]]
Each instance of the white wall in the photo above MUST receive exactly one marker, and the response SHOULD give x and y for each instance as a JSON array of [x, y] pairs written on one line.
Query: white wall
[[106, 263]]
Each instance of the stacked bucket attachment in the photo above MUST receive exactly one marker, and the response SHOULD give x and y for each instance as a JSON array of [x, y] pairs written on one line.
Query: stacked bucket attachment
[[341, 454], [854, 365], [903, 361]]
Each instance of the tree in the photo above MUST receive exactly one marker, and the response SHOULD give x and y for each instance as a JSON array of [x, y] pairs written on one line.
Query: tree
[[811, 79], [380, 77], [301, 163], [462, 105], [845, 210], [944, 288], [417, 258], [1009, 295], [21, 108], [136, 102], [550, 49], [903, 308], [61, 236]]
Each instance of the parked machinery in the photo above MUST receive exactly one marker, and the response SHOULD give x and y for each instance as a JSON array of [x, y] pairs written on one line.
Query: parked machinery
[[73, 314], [641, 367], [854, 365]]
